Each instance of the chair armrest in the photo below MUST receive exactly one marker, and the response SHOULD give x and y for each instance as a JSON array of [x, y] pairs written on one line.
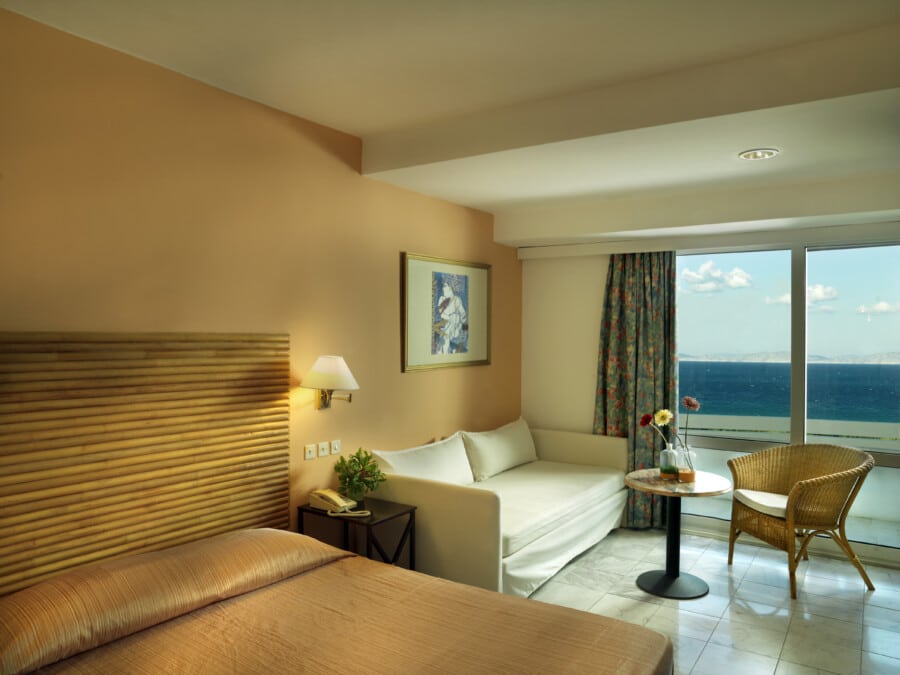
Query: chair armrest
[[579, 448], [457, 528], [820, 502]]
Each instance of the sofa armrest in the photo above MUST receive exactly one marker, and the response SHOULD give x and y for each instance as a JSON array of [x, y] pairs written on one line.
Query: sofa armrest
[[579, 448], [457, 528]]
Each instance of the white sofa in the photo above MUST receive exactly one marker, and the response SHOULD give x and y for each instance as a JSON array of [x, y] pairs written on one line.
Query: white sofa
[[507, 509]]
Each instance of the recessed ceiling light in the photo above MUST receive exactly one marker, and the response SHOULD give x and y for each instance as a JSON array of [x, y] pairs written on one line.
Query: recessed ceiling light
[[758, 153]]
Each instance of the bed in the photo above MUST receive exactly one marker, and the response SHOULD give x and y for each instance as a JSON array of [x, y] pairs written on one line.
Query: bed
[[271, 601], [144, 516]]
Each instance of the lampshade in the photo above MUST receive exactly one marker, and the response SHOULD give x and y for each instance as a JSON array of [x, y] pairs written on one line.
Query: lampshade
[[330, 373]]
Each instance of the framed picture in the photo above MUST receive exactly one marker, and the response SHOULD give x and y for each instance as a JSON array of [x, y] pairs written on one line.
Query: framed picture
[[446, 313]]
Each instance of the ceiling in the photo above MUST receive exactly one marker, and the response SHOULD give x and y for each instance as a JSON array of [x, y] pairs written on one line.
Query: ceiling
[[573, 121]]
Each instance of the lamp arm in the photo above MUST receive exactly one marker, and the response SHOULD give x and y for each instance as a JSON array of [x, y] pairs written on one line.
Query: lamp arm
[[326, 396]]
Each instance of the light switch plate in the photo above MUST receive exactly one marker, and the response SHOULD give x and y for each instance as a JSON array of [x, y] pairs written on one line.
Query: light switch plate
[[323, 449], [335, 447], [309, 451]]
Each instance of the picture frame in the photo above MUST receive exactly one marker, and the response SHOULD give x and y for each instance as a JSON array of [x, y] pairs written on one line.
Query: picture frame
[[445, 313]]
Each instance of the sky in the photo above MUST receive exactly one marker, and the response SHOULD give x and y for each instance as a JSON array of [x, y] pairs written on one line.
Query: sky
[[739, 303]]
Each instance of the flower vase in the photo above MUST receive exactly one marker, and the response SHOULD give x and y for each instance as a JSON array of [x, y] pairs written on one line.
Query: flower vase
[[684, 462], [668, 463]]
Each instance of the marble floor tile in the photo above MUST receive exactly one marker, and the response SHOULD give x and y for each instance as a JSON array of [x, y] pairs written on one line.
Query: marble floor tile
[[880, 641], [687, 651], [823, 643], [711, 604], [771, 575], [587, 577], [884, 596], [788, 668], [749, 638], [717, 659], [882, 576], [825, 630], [808, 605], [847, 588], [759, 615], [626, 609], [567, 595], [609, 563], [718, 585], [876, 664], [627, 588], [748, 622], [764, 594], [824, 657], [634, 548], [882, 617], [673, 621]]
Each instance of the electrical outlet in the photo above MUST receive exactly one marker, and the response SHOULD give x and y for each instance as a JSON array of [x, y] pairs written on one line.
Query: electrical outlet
[[309, 451], [323, 449], [335, 447]]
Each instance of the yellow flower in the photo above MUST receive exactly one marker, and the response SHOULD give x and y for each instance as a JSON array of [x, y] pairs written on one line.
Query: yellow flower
[[662, 417]]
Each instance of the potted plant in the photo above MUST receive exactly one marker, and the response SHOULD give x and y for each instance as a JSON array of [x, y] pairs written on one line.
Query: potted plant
[[358, 474]]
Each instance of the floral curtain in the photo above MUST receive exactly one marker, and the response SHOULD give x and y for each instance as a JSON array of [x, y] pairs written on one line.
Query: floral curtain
[[636, 373]]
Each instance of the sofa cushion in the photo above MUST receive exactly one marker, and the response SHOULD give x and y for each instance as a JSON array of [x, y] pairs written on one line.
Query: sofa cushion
[[495, 451], [537, 497], [444, 460]]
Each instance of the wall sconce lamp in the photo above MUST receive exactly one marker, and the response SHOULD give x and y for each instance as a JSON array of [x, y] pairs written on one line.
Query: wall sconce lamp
[[329, 373]]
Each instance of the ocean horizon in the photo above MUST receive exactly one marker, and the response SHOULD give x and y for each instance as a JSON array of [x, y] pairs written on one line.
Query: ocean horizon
[[855, 392], [885, 358]]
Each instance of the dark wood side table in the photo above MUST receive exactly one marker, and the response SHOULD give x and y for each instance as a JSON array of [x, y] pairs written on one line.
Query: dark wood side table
[[672, 582], [382, 511]]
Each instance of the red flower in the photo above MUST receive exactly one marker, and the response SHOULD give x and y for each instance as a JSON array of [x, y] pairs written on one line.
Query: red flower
[[690, 403], [646, 419]]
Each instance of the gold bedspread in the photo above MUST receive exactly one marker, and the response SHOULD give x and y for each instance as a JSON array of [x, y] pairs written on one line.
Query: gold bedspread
[[268, 601]]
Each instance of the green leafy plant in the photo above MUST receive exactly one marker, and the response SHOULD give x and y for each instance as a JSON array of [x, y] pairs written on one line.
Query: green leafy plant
[[358, 474]]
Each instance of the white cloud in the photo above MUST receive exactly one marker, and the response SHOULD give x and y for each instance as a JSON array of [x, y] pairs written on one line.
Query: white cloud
[[710, 279], [820, 293], [737, 278], [879, 308], [814, 294]]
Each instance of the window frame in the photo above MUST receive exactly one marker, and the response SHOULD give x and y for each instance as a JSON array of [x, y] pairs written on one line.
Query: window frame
[[798, 250]]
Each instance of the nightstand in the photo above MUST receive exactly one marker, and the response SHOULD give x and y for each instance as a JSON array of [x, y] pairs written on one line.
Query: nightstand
[[382, 512]]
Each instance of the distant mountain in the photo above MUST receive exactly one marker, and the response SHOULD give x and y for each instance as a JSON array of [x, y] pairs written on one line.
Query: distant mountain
[[888, 358]]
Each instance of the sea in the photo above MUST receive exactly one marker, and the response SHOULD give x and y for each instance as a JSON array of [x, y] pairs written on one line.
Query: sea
[[835, 391]]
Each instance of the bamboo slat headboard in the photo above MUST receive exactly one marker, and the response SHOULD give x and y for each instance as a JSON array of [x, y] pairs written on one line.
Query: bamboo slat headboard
[[113, 444]]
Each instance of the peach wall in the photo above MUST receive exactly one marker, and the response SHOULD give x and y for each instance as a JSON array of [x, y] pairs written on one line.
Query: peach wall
[[136, 199]]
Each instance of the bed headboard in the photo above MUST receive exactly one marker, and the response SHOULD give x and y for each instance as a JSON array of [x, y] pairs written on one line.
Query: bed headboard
[[113, 444]]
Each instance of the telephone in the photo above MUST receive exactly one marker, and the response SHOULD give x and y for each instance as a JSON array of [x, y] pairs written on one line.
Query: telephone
[[334, 503]]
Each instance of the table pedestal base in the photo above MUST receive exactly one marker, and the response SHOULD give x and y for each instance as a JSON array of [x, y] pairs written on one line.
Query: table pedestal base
[[681, 587]]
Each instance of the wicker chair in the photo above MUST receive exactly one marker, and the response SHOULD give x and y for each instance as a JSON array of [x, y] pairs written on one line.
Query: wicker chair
[[796, 492]]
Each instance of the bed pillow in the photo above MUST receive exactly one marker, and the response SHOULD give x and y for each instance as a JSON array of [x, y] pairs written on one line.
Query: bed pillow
[[496, 451], [444, 461]]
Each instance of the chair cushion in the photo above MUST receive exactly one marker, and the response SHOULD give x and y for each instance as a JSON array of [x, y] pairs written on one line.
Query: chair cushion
[[495, 451], [541, 496], [770, 503], [445, 461]]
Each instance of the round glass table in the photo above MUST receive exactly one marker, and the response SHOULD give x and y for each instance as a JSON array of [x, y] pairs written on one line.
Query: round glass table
[[671, 582]]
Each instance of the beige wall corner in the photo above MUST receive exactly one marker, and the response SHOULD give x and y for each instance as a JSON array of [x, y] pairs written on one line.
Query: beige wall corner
[[561, 311], [136, 199]]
